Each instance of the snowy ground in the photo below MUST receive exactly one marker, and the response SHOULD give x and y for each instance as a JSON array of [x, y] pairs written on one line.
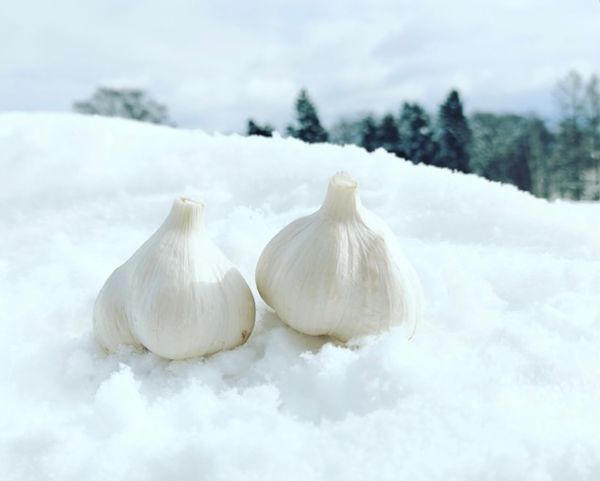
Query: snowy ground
[[501, 383]]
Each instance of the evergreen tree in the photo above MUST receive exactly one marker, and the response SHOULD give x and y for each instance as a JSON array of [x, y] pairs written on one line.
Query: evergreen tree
[[260, 130], [369, 134], [388, 135], [454, 135], [309, 128], [416, 134]]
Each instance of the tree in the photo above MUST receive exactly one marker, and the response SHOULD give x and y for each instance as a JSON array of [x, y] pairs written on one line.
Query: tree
[[388, 135], [346, 131], [260, 130], [511, 148], [576, 159], [126, 103], [309, 128], [454, 135], [369, 133], [540, 143], [417, 143], [571, 155], [592, 115], [497, 149]]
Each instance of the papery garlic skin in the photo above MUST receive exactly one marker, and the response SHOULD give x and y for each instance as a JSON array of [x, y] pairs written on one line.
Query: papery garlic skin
[[339, 271], [111, 324], [178, 295]]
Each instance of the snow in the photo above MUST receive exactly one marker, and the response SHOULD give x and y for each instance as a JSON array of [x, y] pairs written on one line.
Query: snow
[[501, 382]]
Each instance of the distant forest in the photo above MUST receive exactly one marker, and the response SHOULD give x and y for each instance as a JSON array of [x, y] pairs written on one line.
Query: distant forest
[[550, 160], [559, 160]]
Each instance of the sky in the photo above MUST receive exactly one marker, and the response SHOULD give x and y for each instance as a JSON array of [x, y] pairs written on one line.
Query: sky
[[214, 64]]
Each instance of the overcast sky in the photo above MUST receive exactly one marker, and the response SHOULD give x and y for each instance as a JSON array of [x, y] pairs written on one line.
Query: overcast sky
[[216, 63]]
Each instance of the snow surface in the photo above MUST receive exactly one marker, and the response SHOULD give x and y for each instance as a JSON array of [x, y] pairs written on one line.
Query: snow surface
[[502, 381]]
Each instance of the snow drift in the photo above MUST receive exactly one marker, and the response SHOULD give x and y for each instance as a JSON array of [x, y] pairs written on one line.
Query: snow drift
[[501, 381]]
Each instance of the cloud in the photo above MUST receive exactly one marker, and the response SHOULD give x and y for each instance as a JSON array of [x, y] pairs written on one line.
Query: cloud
[[217, 63]]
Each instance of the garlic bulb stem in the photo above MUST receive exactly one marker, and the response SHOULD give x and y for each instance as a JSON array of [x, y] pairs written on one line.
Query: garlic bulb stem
[[187, 215], [342, 202]]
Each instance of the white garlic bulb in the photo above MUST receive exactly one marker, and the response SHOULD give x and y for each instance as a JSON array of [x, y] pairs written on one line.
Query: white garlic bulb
[[339, 271], [178, 295]]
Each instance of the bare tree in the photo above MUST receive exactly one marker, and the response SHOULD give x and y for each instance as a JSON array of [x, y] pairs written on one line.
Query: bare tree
[[570, 160], [592, 117], [126, 103]]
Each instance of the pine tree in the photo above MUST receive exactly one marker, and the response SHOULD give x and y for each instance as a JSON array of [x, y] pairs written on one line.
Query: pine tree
[[309, 128], [260, 130], [369, 134], [388, 135], [416, 134], [454, 135]]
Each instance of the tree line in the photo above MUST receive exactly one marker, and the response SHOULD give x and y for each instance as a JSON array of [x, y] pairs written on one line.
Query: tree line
[[548, 159]]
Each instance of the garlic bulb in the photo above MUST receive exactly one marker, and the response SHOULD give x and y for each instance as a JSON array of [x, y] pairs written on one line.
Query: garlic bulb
[[339, 271], [178, 295]]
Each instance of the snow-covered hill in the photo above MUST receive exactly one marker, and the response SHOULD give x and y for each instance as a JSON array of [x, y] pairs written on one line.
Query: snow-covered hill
[[502, 381]]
